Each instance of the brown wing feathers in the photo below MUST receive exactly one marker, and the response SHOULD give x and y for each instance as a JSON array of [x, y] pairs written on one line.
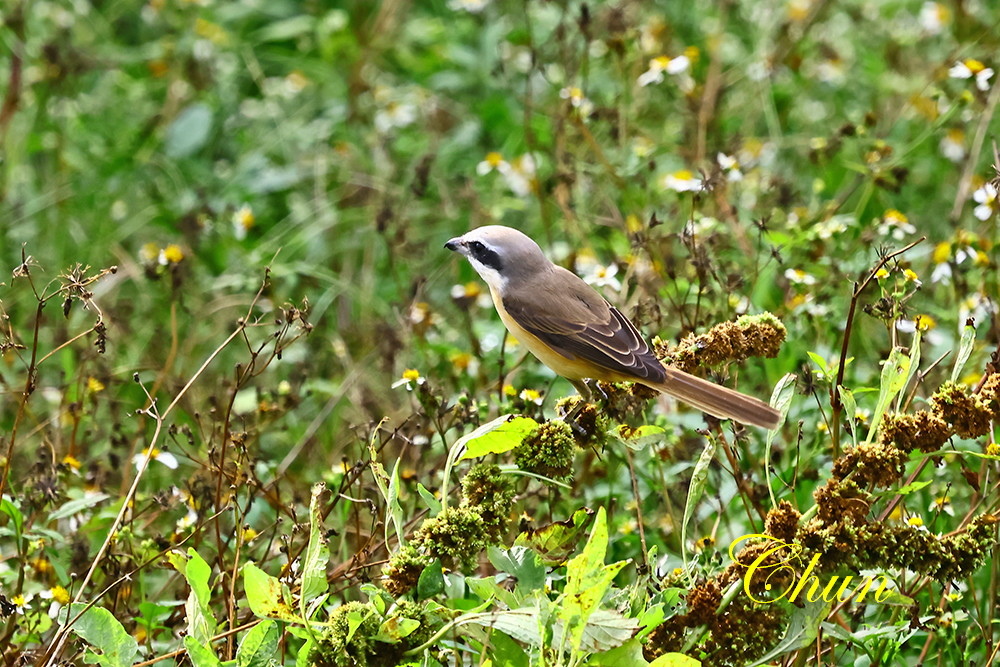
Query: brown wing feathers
[[607, 339]]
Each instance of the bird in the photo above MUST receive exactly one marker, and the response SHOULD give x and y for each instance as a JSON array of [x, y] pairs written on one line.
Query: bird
[[573, 330]]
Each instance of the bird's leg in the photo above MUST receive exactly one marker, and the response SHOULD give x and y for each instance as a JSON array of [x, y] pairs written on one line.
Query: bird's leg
[[585, 396]]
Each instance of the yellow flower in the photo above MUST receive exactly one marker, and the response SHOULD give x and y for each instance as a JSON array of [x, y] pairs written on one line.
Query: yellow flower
[[681, 181], [530, 396], [72, 462], [411, 375], [243, 220], [149, 252], [41, 565], [60, 594], [881, 274], [911, 275], [461, 361], [297, 80], [493, 160], [249, 534], [925, 322], [210, 31], [942, 252], [94, 385], [508, 390], [915, 521], [172, 254], [993, 449]]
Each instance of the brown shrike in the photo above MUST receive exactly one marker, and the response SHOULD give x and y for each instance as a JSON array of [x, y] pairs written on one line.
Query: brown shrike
[[579, 335]]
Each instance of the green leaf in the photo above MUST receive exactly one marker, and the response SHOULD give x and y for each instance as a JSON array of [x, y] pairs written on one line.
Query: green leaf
[[99, 628], [433, 504], [895, 371], [189, 131], [802, 629], [519, 624], [675, 660], [201, 621], [394, 511], [781, 399], [199, 654], [699, 480], [587, 581], [638, 439], [76, 506], [824, 368], [964, 350], [604, 629], [317, 554], [498, 436], [286, 29], [265, 594], [556, 541], [395, 629], [258, 646], [431, 581], [521, 563], [8, 507], [914, 366], [628, 654], [850, 410]]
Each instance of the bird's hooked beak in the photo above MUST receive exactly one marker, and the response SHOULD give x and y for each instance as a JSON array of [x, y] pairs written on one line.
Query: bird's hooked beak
[[456, 244]]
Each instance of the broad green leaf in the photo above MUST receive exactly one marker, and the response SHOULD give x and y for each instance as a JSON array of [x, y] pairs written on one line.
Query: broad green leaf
[[396, 628], [433, 504], [394, 512], [628, 654], [587, 581], [604, 629], [488, 589], [265, 594], [895, 371], [8, 507], [802, 629], [99, 628], [520, 624], [189, 131], [76, 506], [675, 660], [638, 439], [259, 645], [556, 541], [699, 479], [824, 368], [286, 29], [521, 563], [302, 657], [850, 410], [431, 581], [199, 654], [781, 399], [317, 554], [914, 366], [201, 621], [964, 351], [496, 437]]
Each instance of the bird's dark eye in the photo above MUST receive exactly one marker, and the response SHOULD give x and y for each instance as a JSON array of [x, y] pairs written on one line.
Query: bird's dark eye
[[485, 255]]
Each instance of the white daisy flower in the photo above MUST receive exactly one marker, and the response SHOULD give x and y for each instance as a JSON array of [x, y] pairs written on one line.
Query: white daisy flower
[[971, 68], [681, 181], [986, 197], [663, 65]]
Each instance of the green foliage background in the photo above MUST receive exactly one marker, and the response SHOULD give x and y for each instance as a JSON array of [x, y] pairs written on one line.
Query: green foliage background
[[191, 144]]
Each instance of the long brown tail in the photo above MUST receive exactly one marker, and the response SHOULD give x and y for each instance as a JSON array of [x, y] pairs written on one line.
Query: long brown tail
[[717, 400]]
